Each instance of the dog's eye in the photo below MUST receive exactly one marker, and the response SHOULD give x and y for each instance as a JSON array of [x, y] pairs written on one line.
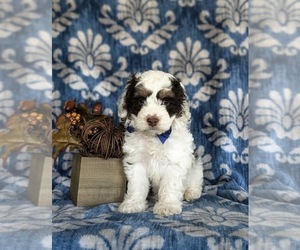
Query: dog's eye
[[141, 100], [165, 101]]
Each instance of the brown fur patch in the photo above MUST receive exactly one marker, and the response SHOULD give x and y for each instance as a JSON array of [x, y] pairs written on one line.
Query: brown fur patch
[[165, 93], [175, 98], [141, 92], [135, 96]]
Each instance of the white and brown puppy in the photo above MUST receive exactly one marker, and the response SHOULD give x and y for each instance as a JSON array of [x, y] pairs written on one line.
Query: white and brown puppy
[[158, 148]]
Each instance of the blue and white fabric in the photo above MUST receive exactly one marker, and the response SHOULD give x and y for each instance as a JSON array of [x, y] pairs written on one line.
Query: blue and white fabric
[[239, 62], [25, 74], [274, 144], [96, 46]]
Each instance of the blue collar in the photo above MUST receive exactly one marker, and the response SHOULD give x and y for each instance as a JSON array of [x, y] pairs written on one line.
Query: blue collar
[[162, 137]]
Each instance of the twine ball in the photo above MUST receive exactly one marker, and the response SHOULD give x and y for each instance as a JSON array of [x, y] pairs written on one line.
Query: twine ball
[[102, 138]]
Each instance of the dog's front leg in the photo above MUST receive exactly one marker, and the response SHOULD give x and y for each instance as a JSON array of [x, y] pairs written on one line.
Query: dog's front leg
[[170, 195], [137, 189]]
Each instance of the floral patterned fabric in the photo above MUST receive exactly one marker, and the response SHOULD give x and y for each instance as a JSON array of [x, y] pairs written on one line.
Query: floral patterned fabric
[[96, 46], [92, 61], [209, 46], [25, 74], [274, 142]]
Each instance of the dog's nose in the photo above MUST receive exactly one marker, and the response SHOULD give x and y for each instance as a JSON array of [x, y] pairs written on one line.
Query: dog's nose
[[152, 121]]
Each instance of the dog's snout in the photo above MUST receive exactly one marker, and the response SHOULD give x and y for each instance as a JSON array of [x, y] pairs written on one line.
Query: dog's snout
[[152, 121]]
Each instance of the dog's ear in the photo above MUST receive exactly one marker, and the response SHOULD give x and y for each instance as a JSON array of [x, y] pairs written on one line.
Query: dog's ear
[[185, 105], [179, 90], [186, 109], [125, 97]]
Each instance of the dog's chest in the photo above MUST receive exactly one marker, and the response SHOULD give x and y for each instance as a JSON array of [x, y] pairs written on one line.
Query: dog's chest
[[152, 148], [151, 151]]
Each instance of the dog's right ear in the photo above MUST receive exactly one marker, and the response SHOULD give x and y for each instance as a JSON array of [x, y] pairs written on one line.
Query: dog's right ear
[[124, 101]]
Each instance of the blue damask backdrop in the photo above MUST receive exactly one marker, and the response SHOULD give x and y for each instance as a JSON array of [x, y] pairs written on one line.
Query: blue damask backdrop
[[96, 46], [25, 74], [209, 46], [274, 143]]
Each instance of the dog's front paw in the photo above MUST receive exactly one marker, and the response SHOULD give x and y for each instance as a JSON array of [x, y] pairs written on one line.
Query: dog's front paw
[[191, 194], [166, 209], [132, 207]]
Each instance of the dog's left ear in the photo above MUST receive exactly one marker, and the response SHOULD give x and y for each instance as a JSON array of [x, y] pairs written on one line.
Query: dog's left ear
[[179, 90], [123, 102]]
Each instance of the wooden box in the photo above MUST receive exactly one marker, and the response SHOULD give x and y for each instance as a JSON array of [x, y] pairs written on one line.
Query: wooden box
[[39, 189], [96, 181]]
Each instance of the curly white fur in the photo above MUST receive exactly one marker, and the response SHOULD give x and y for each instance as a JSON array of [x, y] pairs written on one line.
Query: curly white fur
[[170, 168]]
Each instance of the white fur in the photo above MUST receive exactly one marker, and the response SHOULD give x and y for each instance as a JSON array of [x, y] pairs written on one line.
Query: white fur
[[170, 168]]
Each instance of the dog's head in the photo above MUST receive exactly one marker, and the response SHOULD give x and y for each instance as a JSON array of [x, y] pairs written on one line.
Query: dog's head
[[153, 101]]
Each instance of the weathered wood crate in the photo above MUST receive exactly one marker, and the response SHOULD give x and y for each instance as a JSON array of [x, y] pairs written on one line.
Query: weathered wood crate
[[96, 181], [39, 189]]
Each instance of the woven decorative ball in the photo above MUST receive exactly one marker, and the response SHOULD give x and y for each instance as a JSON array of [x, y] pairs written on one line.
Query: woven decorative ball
[[102, 138]]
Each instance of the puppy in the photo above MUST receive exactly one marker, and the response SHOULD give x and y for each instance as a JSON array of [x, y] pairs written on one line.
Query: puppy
[[158, 148]]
